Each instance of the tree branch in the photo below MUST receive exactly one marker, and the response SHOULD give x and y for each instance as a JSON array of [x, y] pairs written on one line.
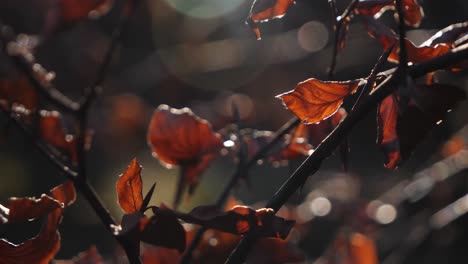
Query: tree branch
[[240, 171], [313, 162], [25, 61]]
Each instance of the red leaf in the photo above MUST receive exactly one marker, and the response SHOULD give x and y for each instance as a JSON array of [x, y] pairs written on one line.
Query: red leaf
[[314, 100], [399, 133], [52, 131], [73, 11], [318, 132], [240, 220], [42, 248], [179, 137], [429, 49], [264, 10], [297, 147], [18, 91], [129, 188], [21, 209], [413, 11]]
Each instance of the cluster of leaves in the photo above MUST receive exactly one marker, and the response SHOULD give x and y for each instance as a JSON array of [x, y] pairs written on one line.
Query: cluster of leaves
[[314, 100], [177, 137]]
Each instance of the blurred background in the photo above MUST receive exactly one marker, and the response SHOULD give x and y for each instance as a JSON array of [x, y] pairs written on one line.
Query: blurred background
[[201, 55]]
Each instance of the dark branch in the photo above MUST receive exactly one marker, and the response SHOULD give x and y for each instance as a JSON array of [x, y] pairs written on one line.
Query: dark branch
[[313, 162], [25, 61], [241, 170]]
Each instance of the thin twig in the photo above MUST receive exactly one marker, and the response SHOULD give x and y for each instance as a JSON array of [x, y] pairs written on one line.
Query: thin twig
[[338, 24], [313, 162], [240, 171], [26, 63]]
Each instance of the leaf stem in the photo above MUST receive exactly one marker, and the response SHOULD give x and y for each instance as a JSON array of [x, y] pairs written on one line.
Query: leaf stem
[[313, 162]]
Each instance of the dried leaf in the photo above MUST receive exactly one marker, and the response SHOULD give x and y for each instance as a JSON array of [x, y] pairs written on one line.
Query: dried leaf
[[314, 100], [129, 188], [240, 220], [21, 209], [399, 133], [179, 137], [264, 10], [413, 11], [40, 249]]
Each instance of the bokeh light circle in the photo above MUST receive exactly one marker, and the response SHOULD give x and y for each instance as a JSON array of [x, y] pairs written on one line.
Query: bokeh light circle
[[312, 36]]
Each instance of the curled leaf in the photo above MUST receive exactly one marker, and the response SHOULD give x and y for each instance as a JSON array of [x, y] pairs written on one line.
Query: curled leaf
[[399, 133], [411, 8], [21, 209], [264, 10], [314, 100], [129, 188], [179, 137]]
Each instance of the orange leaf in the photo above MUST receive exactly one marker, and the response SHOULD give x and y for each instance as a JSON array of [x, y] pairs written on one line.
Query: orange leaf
[[129, 188], [264, 10], [421, 53], [362, 249], [314, 100], [179, 137]]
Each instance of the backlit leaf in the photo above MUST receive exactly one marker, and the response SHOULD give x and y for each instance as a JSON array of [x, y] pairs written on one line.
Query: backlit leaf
[[51, 130], [179, 137], [314, 100], [264, 10], [129, 188]]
